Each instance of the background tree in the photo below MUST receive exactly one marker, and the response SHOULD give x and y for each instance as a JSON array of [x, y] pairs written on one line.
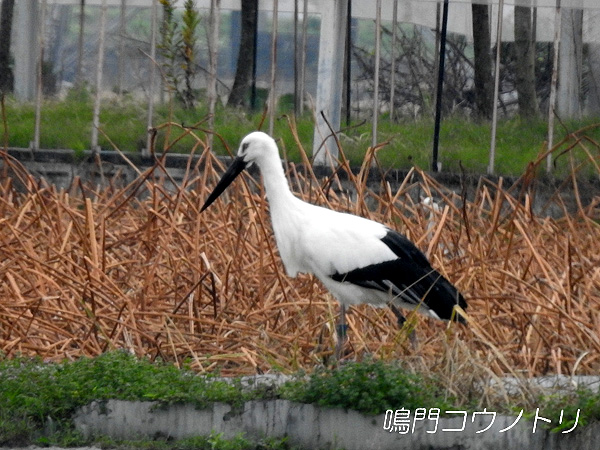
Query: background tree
[[6, 74], [484, 89], [178, 48], [245, 60], [525, 62], [169, 44], [190, 22]]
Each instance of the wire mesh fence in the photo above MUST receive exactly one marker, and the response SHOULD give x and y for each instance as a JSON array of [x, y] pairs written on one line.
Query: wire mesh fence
[[68, 47]]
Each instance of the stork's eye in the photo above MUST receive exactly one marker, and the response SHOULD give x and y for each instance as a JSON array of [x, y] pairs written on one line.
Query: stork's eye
[[244, 147]]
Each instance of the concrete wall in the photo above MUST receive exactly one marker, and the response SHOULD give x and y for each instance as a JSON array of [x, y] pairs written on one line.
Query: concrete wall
[[62, 167], [312, 427]]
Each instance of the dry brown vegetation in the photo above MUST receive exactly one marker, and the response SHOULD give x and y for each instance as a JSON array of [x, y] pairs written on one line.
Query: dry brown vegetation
[[138, 267]]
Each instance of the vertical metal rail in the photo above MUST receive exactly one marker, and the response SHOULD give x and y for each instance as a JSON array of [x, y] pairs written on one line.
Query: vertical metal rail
[[296, 61], [302, 80], [272, 90], [153, 19], [553, 84], [254, 64], [121, 56], [376, 74], [99, 69], [213, 52], [393, 59], [39, 93], [79, 77], [440, 85], [490, 169], [348, 70]]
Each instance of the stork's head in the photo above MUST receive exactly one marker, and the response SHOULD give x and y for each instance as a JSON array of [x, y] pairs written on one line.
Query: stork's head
[[254, 148]]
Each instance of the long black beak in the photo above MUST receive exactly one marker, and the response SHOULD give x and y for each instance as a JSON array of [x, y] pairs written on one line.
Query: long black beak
[[230, 174]]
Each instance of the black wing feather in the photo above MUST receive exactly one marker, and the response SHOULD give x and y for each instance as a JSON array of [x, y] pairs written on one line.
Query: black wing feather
[[410, 277]]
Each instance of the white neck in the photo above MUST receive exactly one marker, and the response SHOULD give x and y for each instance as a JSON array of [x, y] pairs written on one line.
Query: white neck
[[276, 185]]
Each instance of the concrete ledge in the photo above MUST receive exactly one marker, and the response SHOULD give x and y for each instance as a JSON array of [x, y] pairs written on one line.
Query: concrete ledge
[[313, 427], [62, 166]]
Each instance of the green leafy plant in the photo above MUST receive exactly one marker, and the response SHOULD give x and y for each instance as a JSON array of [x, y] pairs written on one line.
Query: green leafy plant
[[190, 22], [178, 48], [370, 387], [169, 43], [35, 393], [566, 409], [43, 396], [215, 441]]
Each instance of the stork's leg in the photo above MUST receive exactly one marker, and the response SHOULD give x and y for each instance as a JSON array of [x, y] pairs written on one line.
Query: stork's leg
[[412, 336], [399, 316], [341, 332]]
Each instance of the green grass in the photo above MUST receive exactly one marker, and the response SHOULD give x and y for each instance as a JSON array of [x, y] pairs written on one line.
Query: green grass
[[213, 442], [67, 124], [38, 399], [582, 399], [464, 142], [38, 396], [34, 393], [370, 387]]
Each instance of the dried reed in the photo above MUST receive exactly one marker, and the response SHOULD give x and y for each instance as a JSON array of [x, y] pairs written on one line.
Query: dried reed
[[137, 267]]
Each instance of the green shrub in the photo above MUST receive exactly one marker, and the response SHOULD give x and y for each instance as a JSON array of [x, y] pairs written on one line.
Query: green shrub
[[35, 393], [370, 387]]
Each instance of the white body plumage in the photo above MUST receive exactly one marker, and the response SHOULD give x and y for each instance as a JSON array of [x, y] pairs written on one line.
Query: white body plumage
[[358, 260]]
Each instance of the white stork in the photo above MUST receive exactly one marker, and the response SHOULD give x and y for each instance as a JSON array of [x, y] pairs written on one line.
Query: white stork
[[358, 260]]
